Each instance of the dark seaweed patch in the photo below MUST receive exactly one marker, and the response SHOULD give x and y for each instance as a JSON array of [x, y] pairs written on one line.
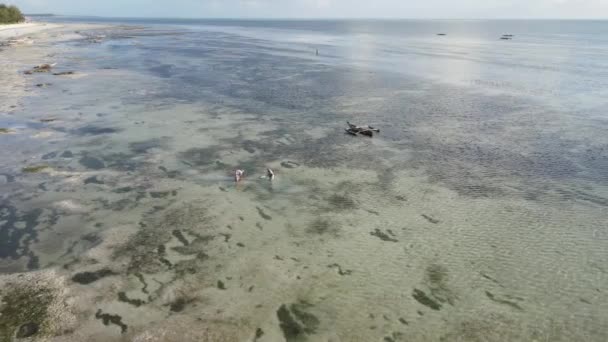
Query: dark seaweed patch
[[322, 226], [108, 319], [311, 322], [382, 236], [372, 212], [122, 161], [430, 219], [91, 238], [226, 236], [86, 278], [394, 337], [201, 156], [341, 202], [340, 270], [425, 300], [160, 194], [141, 279], [180, 236], [263, 214], [67, 154], [50, 155], [141, 147], [249, 146], [92, 163], [15, 242], [291, 329], [436, 279], [297, 322], [491, 279], [258, 334], [93, 180], [436, 274], [123, 190], [221, 285], [166, 262], [95, 130], [502, 301], [178, 305], [122, 296]]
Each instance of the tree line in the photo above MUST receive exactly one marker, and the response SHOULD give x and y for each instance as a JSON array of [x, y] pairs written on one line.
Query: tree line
[[10, 14]]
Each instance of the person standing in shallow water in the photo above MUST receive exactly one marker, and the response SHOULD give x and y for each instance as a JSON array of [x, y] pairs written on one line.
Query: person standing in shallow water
[[238, 175]]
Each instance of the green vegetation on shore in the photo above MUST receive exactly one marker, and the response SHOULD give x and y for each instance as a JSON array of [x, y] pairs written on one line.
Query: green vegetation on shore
[[10, 14]]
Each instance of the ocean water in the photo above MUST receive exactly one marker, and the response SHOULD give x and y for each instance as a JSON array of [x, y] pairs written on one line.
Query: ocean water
[[478, 213]]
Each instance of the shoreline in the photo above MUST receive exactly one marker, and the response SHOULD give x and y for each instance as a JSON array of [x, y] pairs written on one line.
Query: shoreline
[[12, 31], [25, 45]]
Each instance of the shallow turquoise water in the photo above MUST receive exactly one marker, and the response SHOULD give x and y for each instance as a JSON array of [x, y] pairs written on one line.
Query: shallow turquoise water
[[478, 212]]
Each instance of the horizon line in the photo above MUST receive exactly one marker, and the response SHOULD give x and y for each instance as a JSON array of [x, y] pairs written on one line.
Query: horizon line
[[303, 18]]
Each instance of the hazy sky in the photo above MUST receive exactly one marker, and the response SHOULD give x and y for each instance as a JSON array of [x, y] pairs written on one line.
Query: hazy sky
[[323, 8]]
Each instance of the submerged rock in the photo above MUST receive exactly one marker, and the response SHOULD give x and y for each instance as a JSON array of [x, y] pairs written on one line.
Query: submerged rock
[[28, 330]]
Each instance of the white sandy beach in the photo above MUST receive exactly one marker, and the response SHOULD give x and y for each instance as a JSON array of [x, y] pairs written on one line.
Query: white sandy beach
[[34, 35], [12, 31]]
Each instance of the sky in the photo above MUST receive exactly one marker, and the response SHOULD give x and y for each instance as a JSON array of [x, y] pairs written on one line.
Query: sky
[[436, 9]]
